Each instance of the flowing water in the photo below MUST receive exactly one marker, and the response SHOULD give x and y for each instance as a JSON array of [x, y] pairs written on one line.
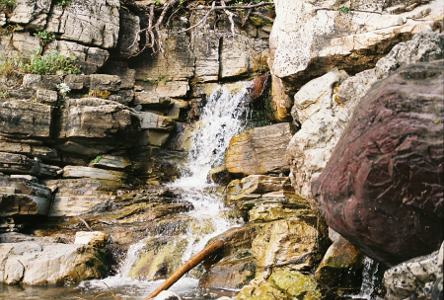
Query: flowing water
[[369, 279], [223, 116]]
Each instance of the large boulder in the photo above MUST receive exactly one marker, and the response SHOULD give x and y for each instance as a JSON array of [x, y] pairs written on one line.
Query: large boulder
[[260, 150], [325, 105], [386, 171], [309, 38], [43, 263], [91, 126]]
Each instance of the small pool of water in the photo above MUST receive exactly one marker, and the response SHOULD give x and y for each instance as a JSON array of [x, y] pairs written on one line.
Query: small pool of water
[[123, 288]]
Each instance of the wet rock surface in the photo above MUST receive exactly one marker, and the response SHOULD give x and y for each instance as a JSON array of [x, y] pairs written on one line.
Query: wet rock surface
[[386, 171], [37, 263]]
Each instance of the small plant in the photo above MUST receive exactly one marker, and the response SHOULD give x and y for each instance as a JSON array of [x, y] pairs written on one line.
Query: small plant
[[50, 63], [9, 28], [99, 94], [97, 159], [7, 6], [155, 81], [344, 9], [11, 66], [63, 88], [45, 37], [157, 2], [63, 3]]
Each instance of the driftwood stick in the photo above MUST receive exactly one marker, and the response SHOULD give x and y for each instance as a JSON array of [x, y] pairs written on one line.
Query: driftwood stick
[[194, 261]]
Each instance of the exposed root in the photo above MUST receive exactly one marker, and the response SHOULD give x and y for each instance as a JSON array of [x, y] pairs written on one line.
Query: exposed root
[[153, 35]]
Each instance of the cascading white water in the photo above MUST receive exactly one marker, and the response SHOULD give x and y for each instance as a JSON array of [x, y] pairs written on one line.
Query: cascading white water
[[368, 280], [223, 116]]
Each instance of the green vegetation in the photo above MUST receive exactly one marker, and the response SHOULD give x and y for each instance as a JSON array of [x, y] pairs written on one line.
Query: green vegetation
[[344, 9], [11, 66], [7, 6], [50, 63], [63, 3], [99, 94], [45, 37], [97, 159], [155, 81], [47, 64]]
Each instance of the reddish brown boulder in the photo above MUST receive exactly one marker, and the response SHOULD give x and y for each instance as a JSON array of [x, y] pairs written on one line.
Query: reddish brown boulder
[[383, 186]]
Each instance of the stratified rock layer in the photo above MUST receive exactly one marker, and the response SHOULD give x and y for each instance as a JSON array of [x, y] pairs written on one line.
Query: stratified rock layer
[[259, 150], [382, 188]]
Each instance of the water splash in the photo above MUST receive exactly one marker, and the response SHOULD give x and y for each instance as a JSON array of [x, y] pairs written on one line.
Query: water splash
[[224, 116], [369, 273]]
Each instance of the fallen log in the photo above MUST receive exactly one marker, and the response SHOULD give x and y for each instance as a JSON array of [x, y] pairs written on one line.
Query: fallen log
[[194, 261]]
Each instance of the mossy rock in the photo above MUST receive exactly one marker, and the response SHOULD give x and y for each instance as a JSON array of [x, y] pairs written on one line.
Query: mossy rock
[[281, 285]]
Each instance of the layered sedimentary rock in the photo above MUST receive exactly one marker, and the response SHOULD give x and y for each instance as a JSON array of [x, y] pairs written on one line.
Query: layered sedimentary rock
[[91, 126], [259, 151], [23, 119], [20, 196], [387, 169], [308, 39]]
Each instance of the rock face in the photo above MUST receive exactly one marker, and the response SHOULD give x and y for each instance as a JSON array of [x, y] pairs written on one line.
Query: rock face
[[22, 119], [91, 126], [281, 285], [418, 278], [259, 151], [19, 196], [324, 106], [281, 234], [87, 22], [308, 39], [386, 171], [36, 263]]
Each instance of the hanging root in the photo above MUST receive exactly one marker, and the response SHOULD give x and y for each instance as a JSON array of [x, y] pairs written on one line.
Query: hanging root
[[153, 35]]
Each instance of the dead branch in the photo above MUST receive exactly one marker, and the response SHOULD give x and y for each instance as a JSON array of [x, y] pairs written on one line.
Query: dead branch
[[153, 35], [194, 261], [229, 14], [204, 19], [84, 222], [236, 6]]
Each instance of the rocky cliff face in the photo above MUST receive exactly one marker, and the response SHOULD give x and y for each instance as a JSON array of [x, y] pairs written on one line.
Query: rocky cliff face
[[100, 143]]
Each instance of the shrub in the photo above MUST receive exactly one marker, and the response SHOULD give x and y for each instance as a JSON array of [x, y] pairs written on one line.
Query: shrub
[[7, 6], [50, 63], [45, 37]]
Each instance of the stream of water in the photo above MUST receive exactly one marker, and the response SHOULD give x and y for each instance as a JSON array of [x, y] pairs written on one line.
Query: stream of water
[[223, 116]]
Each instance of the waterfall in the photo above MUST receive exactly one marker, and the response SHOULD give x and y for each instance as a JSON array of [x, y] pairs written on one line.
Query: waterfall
[[369, 279], [224, 115]]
